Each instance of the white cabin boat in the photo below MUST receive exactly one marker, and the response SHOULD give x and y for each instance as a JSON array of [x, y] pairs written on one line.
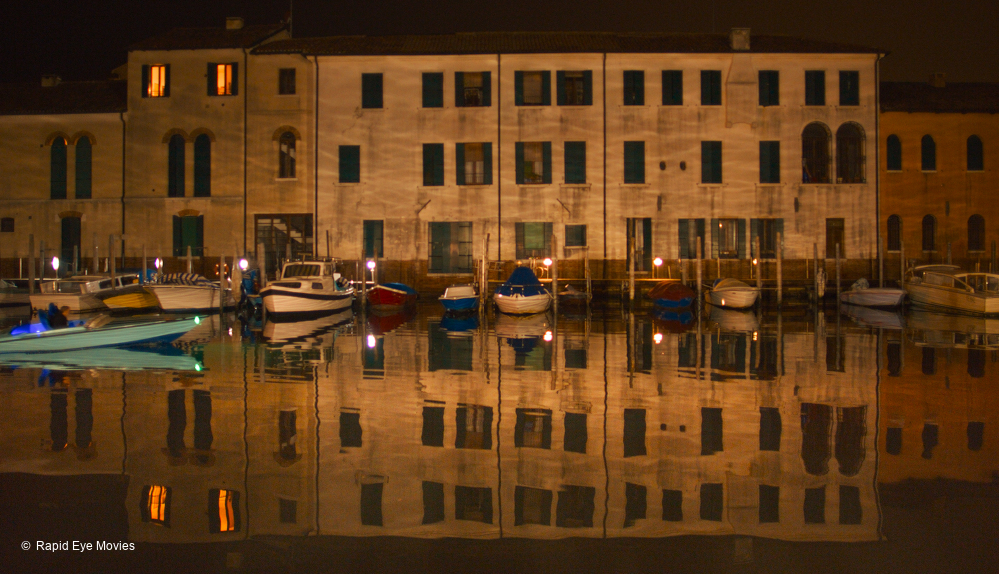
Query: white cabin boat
[[190, 293], [732, 294], [307, 288], [83, 293], [944, 287]]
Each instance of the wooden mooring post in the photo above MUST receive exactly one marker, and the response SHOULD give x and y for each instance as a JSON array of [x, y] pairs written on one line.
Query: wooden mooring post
[[758, 260], [31, 263], [780, 269], [700, 277]]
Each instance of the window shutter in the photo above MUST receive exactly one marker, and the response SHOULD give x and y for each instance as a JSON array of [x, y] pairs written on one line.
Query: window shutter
[[699, 229], [714, 238], [166, 81], [145, 80], [764, 87], [779, 241], [742, 238], [764, 162], [202, 166], [706, 88], [546, 157], [706, 159], [518, 88], [519, 159], [428, 164], [235, 78], [519, 232], [575, 162], [548, 238], [350, 164], [588, 87], [57, 160], [83, 168], [178, 236], [459, 160], [546, 88], [647, 244], [199, 234], [684, 238], [487, 162], [433, 90], [754, 232], [560, 88], [459, 89], [460, 418], [487, 89]]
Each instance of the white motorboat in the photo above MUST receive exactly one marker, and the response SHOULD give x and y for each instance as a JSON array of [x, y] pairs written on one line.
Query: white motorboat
[[190, 293], [944, 287], [83, 293], [12, 295], [522, 294], [459, 298], [732, 294], [307, 288], [861, 293]]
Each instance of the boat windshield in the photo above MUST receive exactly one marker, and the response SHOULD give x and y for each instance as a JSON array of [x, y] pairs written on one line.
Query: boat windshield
[[301, 270], [982, 282]]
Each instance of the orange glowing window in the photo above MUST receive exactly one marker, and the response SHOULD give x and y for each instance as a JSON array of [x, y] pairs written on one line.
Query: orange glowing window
[[224, 80], [223, 510], [156, 505], [156, 85]]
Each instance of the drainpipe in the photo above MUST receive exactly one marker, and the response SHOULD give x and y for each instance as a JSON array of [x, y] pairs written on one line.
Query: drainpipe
[[246, 101], [499, 155], [121, 116], [604, 82], [877, 165], [315, 163]]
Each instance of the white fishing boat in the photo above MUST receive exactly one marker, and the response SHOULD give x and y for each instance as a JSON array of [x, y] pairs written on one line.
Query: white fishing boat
[[307, 288], [732, 294], [96, 332], [861, 293], [190, 293], [522, 294], [83, 293], [945, 287]]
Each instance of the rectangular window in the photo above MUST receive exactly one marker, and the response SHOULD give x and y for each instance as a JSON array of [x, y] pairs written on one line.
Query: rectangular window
[[711, 88], [473, 426], [282, 233], [634, 162], [188, 232], [711, 162], [533, 239], [433, 502], [711, 431], [728, 238], [575, 236], [575, 358], [815, 88], [156, 505], [575, 162], [534, 162], [815, 505], [532, 88], [156, 81], [691, 234], [222, 79], [770, 162], [835, 232], [433, 426], [371, 90], [634, 88], [474, 163], [769, 504], [433, 90], [371, 504], [286, 82], [472, 89], [574, 508], [672, 87], [635, 505], [7, 225], [373, 243], [223, 511], [532, 506], [673, 505], [769, 88], [533, 429], [576, 434], [849, 88], [634, 432], [850, 510], [766, 231], [433, 164], [350, 164], [712, 501], [770, 429], [350, 429], [450, 247], [574, 88]]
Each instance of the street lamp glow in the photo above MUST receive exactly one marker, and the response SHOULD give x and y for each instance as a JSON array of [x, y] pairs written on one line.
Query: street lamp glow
[[372, 341], [243, 264], [547, 261], [55, 263], [548, 336], [657, 261], [658, 338], [158, 263], [371, 265]]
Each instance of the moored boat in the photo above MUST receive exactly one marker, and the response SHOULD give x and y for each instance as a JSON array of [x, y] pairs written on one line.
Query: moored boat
[[83, 293], [944, 287], [13, 295], [522, 294], [671, 295], [732, 294], [189, 293], [307, 288], [390, 296], [861, 293], [460, 298], [96, 332]]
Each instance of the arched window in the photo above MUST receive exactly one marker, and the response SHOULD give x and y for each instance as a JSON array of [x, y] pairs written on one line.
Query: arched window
[[175, 166], [850, 154], [929, 233], [893, 153], [976, 233], [58, 168], [83, 163], [815, 154], [286, 155], [929, 149], [976, 156], [894, 233], [202, 166]]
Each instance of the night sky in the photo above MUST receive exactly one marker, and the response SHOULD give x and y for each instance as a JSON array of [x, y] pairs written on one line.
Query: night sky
[[86, 40]]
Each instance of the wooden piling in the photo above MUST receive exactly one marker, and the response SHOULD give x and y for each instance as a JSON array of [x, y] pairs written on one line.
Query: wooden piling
[[190, 261], [31, 263], [41, 260], [780, 270], [699, 278], [759, 264], [262, 264]]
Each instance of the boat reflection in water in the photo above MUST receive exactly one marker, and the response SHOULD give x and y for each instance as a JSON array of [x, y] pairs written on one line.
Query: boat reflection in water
[[704, 438]]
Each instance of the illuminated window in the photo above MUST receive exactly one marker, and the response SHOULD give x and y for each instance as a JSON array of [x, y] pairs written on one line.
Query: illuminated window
[[222, 79], [156, 81], [286, 155], [223, 511], [472, 89], [286, 81], [534, 162], [474, 163], [156, 505], [532, 88]]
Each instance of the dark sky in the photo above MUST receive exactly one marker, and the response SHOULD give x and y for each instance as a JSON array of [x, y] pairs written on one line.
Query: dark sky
[[85, 40]]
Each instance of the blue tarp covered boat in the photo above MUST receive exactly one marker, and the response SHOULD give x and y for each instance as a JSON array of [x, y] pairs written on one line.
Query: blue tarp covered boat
[[522, 293]]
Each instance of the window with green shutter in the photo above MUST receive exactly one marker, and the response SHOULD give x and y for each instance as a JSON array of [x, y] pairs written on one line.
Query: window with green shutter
[[575, 236], [188, 231], [83, 168], [849, 88], [634, 162], [766, 230], [450, 247], [223, 79], [433, 90], [472, 89], [634, 88], [769, 87], [371, 90], [433, 164], [815, 88], [57, 169], [533, 239], [728, 238], [534, 162], [373, 243], [711, 162], [202, 166], [532, 88], [474, 163], [350, 164], [770, 162], [574, 88], [711, 93], [672, 87], [691, 233], [575, 162]]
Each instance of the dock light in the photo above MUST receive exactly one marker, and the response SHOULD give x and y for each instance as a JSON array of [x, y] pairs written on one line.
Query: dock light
[[754, 261], [197, 320], [658, 338], [372, 341], [548, 336], [371, 265], [158, 263], [547, 261], [243, 264], [658, 261], [55, 263]]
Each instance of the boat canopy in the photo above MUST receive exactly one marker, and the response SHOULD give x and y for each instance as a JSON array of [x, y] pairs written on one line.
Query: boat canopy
[[522, 281]]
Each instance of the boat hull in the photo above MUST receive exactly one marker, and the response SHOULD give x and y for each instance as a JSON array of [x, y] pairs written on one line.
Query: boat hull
[[387, 297], [128, 298], [950, 299], [874, 297], [78, 302], [518, 304], [671, 295], [283, 301], [733, 298], [460, 304], [190, 298], [83, 337]]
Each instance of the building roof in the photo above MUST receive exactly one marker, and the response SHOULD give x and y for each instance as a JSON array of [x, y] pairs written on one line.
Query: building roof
[[548, 42], [64, 98], [209, 38], [956, 98]]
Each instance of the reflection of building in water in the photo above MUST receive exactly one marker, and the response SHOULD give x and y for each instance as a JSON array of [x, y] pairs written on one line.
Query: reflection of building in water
[[527, 430]]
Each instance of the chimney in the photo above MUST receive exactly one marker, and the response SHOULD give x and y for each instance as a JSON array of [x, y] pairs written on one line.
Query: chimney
[[50, 80], [233, 23], [738, 39], [938, 80]]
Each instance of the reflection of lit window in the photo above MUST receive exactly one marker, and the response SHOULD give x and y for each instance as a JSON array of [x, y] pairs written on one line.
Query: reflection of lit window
[[223, 510], [156, 84], [156, 505]]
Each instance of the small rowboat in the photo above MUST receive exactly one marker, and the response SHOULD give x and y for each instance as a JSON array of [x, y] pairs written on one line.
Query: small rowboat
[[671, 295], [96, 332], [861, 293], [732, 294], [389, 296], [522, 294], [460, 298]]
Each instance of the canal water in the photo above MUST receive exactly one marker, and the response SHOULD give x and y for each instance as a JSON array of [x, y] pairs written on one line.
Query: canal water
[[601, 440]]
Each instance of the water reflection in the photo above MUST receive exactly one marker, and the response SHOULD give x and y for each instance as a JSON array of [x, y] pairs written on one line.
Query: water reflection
[[609, 424]]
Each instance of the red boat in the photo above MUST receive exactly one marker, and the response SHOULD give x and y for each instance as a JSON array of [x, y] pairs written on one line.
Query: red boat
[[388, 296], [671, 295]]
